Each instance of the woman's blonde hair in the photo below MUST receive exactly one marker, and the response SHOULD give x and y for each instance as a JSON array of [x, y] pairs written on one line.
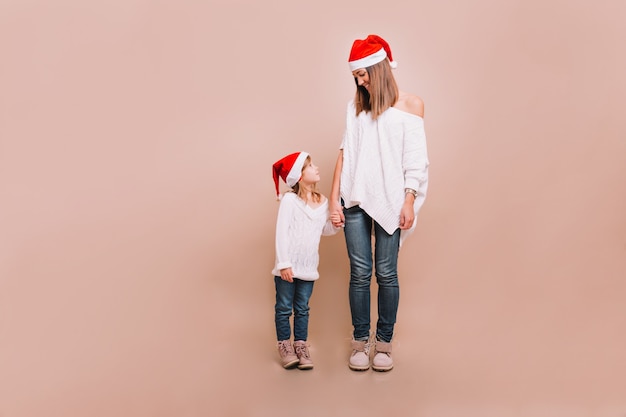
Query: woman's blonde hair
[[383, 90], [301, 192]]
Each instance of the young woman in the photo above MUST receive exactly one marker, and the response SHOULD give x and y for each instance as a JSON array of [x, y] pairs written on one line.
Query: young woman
[[379, 185], [303, 218]]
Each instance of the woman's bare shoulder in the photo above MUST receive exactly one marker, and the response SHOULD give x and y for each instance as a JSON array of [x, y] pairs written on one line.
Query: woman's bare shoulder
[[410, 103]]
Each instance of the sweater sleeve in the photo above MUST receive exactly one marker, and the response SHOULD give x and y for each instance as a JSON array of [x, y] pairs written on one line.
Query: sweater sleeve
[[415, 156], [329, 229], [285, 213]]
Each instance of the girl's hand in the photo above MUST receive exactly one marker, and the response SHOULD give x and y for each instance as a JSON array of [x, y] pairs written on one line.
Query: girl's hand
[[286, 274], [336, 214]]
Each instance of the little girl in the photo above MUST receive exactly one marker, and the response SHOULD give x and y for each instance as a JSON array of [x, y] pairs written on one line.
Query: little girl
[[303, 218]]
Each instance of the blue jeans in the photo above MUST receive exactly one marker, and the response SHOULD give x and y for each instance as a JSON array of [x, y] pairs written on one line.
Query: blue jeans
[[292, 297], [358, 233]]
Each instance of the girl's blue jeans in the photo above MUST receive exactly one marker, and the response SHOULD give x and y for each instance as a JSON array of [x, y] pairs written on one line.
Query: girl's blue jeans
[[358, 234], [292, 297]]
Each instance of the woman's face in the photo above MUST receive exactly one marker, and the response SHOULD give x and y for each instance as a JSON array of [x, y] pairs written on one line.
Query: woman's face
[[362, 78]]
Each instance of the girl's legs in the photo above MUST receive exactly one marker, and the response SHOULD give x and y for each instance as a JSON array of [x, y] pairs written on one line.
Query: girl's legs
[[285, 293], [303, 291], [358, 233]]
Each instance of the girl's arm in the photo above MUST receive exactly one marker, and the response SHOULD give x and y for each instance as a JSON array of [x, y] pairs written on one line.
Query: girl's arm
[[285, 213]]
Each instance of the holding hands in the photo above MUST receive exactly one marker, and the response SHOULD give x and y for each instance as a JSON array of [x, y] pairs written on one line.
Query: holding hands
[[336, 214]]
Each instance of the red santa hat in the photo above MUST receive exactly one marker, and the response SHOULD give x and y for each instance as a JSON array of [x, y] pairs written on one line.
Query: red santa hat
[[369, 51], [289, 169]]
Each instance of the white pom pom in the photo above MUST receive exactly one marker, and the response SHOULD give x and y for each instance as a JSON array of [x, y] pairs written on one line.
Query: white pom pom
[[393, 64], [279, 197]]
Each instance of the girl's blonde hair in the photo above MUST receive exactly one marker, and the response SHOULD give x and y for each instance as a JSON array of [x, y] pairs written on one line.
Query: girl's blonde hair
[[383, 90], [301, 192]]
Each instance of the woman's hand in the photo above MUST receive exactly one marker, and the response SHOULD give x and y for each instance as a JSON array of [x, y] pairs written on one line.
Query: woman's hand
[[336, 213], [407, 215], [286, 274]]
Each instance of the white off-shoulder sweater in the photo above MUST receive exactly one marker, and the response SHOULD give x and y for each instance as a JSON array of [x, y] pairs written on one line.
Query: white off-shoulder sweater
[[298, 231], [380, 159]]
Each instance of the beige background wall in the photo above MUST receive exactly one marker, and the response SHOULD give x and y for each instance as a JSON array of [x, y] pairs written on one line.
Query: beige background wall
[[137, 207]]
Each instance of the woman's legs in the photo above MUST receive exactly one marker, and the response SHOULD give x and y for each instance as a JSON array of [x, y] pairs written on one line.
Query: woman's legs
[[386, 259], [358, 233]]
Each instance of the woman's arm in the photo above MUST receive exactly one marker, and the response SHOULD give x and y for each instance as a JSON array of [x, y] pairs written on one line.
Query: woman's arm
[[415, 159], [334, 202]]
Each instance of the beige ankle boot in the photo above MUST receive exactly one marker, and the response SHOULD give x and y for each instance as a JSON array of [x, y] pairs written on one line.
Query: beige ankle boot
[[382, 357], [302, 352], [287, 355], [360, 358]]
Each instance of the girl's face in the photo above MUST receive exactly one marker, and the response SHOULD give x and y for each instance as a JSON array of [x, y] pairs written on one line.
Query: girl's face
[[362, 78], [310, 174]]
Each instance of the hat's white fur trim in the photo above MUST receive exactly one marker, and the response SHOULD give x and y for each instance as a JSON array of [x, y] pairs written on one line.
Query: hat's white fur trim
[[296, 170], [369, 60]]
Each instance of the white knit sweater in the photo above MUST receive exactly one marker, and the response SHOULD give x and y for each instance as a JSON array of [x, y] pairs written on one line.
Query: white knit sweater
[[298, 231], [380, 159]]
